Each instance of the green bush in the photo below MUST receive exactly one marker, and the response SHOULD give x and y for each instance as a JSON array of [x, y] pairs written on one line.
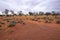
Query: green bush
[[12, 23]]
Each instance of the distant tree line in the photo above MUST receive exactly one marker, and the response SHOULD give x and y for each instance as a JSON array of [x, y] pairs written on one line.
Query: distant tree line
[[20, 13], [46, 13]]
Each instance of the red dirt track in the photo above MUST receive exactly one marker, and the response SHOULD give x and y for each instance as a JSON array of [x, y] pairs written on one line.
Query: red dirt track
[[32, 31]]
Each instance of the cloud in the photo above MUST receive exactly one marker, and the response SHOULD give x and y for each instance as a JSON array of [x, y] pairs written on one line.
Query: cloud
[[30, 5]]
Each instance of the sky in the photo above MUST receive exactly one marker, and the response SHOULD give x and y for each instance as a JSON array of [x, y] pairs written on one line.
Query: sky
[[30, 5]]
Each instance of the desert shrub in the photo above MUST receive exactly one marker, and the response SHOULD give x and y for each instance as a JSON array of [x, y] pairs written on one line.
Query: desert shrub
[[47, 21], [58, 21], [51, 19], [12, 23], [38, 18], [34, 19], [7, 19], [21, 22], [57, 17], [44, 17]]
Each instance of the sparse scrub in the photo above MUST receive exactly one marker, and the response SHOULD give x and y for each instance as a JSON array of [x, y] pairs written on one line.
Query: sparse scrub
[[31, 16], [57, 17], [6, 19], [34, 19], [47, 20], [21, 22]]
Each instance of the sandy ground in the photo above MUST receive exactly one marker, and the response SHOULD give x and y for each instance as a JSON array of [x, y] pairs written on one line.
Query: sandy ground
[[32, 31]]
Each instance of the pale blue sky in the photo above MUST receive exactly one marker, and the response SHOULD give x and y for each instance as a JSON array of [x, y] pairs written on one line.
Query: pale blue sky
[[30, 5]]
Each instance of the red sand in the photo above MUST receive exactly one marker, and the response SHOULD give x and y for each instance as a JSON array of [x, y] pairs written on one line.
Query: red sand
[[32, 31]]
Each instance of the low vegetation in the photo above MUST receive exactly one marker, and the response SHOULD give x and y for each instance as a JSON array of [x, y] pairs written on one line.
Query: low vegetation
[[58, 21], [21, 22], [12, 24], [12, 20]]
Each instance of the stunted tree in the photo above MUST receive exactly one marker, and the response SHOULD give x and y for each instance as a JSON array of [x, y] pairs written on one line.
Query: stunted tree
[[41, 13], [20, 13], [6, 11], [36, 13], [30, 13], [53, 13], [47, 13], [12, 12], [58, 13]]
